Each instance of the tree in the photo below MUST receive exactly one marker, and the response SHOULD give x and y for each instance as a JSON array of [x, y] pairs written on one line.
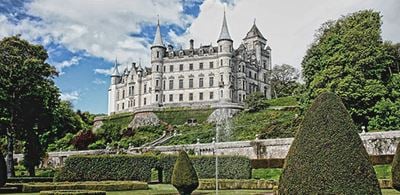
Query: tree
[[27, 93], [255, 102], [327, 155], [283, 80], [348, 57], [184, 176], [3, 170], [396, 169]]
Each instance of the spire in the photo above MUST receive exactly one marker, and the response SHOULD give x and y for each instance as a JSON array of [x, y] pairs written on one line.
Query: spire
[[157, 38], [115, 71], [224, 35]]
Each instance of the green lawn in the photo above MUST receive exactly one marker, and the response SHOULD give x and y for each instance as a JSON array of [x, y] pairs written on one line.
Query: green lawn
[[169, 189]]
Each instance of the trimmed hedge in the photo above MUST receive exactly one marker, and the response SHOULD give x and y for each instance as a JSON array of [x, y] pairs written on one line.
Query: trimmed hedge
[[396, 169], [327, 155], [232, 184], [107, 167], [230, 167], [89, 185], [3, 170], [29, 179], [72, 192]]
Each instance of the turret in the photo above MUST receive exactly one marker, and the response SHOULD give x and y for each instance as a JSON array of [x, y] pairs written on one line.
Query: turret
[[157, 53], [158, 48], [115, 76], [225, 51]]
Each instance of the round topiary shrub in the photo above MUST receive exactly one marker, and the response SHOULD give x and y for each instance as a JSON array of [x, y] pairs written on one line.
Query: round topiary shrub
[[3, 170], [396, 169], [184, 177], [327, 155]]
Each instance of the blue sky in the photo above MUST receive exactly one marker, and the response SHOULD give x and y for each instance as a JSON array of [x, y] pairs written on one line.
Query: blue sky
[[83, 38]]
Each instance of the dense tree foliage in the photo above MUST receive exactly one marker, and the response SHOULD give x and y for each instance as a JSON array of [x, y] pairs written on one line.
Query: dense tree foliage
[[327, 155], [27, 93], [349, 58], [284, 80], [184, 176], [255, 102]]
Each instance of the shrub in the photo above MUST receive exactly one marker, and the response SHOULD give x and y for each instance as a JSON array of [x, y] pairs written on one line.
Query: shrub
[[72, 192], [184, 177], [29, 179], [231, 184], [396, 169], [88, 185], [107, 167], [230, 167], [3, 170], [83, 139], [327, 155]]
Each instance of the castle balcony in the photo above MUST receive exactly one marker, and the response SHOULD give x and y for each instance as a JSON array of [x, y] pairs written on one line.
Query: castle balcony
[[157, 88], [221, 84]]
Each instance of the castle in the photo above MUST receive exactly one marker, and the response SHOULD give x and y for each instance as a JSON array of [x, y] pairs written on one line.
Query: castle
[[194, 77]]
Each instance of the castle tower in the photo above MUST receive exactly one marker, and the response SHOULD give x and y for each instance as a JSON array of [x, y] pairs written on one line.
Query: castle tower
[[115, 79], [225, 53], [157, 53]]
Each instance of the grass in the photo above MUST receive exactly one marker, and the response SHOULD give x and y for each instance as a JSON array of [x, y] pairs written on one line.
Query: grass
[[283, 101], [383, 171], [169, 189], [181, 116], [267, 174]]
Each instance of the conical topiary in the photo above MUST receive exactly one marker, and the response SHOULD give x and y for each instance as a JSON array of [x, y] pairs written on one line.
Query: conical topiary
[[184, 177], [3, 170], [327, 155], [396, 169]]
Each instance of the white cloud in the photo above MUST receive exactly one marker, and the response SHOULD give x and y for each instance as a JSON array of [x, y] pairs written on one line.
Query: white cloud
[[67, 63], [288, 25], [98, 81], [71, 96], [101, 28]]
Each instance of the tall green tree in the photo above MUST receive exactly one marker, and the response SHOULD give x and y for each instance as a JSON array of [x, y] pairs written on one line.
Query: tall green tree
[[27, 94], [348, 57], [284, 80]]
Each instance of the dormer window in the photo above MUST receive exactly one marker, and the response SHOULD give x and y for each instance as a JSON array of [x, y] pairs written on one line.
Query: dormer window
[[211, 50], [201, 52], [171, 54], [180, 53]]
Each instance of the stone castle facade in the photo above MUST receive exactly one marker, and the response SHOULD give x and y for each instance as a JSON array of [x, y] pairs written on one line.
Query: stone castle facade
[[194, 77]]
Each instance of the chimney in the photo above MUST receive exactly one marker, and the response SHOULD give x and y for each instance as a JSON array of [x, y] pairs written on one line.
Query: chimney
[[191, 43]]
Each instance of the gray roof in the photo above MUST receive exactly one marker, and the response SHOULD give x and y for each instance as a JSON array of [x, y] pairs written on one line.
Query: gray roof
[[158, 39], [115, 71], [224, 35], [254, 32]]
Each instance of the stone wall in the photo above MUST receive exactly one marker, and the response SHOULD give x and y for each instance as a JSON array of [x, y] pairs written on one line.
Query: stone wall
[[376, 144]]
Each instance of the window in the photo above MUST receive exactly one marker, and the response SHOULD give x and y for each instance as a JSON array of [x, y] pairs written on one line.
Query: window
[[190, 66], [171, 68], [211, 65], [123, 106], [145, 88], [163, 85], [220, 48], [201, 82], [157, 82], [134, 102], [158, 54], [171, 97], [123, 94], [222, 78], [221, 63], [157, 67], [211, 82], [190, 96], [201, 96], [180, 83], [265, 64], [222, 94], [163, 98], [180, 67], [144, 101], [190, 83], [171, 84], [211, 95], [180, 97], [156, 97], [201, 65], [165, 69]]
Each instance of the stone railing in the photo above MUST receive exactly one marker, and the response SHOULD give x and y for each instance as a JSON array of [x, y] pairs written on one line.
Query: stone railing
[[376, 144]]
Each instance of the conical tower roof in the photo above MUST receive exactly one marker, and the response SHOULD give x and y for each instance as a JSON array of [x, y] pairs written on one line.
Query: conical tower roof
[[254, 32], [115, 71], [158, 42], [224, 34]]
